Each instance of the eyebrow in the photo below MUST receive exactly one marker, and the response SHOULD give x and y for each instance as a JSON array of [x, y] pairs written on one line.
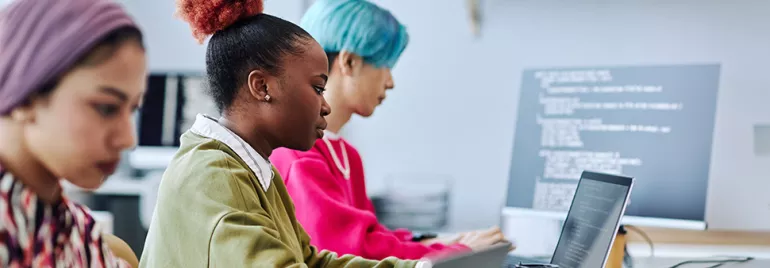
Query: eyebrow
[[114, 92]]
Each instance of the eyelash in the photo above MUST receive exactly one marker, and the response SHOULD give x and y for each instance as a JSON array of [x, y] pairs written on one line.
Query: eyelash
[[106, 110], [319, 90]]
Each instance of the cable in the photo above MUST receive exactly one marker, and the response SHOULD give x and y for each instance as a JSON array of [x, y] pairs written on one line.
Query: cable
[[644, 236], [628, 261], [717, 263]]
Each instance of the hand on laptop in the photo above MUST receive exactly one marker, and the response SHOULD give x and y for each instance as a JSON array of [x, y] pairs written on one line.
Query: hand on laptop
[[477, 240], [446, 240]]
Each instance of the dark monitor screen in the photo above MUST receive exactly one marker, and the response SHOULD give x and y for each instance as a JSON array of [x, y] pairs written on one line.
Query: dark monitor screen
[[592, 221], [169, 108]]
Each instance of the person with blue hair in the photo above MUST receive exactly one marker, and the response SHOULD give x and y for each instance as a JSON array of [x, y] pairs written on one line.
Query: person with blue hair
[[363, 42]]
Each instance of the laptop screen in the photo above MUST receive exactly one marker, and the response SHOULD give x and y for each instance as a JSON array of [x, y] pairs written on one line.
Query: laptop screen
[[592, 221]]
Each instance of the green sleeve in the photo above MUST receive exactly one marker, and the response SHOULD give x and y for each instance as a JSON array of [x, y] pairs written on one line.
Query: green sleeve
[[247, 236], [249, 240], [328, 259]]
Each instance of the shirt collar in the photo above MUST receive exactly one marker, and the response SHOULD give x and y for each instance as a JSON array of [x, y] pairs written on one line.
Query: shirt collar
[[209, 127], [57, 217]]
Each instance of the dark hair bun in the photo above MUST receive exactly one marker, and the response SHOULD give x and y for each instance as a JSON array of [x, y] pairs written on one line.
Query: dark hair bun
[[206, 17]]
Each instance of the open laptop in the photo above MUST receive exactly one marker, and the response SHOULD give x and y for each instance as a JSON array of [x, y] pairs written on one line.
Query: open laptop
[[599, 202]]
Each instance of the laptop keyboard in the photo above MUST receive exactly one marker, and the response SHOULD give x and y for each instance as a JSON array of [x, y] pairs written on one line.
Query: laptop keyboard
[[513, 260]]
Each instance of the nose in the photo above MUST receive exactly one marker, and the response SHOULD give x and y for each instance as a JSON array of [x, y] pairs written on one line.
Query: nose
[[124, 136], [325, 108], [389, 84]]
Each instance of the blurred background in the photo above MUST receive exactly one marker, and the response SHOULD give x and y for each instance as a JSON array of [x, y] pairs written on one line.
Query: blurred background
[[499, 104]]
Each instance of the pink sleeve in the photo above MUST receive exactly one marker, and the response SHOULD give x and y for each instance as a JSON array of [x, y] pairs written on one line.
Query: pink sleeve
[[339, 227], [404, 234]]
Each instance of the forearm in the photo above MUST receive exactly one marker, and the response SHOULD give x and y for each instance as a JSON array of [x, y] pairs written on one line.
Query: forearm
[[328, 259]]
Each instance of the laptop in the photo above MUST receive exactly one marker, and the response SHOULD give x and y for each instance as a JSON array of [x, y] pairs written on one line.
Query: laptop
[[593, 219], [491, 257]]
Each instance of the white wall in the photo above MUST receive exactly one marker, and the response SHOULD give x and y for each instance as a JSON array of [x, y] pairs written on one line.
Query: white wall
[[454, 106], [171, 46], [445, 114]]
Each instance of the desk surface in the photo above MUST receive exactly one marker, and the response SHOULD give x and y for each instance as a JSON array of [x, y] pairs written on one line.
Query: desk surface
[[658, 262], [669, 262]]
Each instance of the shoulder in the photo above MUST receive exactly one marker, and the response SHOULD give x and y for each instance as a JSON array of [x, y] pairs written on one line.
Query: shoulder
[[199, 155], [118, 252], [207, 169]]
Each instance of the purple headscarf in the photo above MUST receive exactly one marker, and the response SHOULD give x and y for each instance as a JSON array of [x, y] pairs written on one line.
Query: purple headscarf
[[42, 39]]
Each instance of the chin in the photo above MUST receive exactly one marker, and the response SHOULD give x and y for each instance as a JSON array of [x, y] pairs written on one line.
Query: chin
[[305, 146], [88, 182], [366, 113]]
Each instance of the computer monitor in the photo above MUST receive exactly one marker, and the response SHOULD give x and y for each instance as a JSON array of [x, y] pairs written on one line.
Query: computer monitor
[[170, 104], [654, 123]]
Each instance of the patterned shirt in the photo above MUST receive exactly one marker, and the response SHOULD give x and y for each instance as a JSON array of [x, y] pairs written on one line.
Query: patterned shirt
[[37, 234]]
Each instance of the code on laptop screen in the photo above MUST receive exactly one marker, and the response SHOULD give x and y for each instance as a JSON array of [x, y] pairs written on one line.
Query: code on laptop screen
[[590, 224]]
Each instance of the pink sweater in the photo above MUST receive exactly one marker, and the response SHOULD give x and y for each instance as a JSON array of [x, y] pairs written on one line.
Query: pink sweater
[[337, 213]]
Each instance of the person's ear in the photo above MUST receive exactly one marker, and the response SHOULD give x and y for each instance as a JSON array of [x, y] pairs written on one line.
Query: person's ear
[[258, 85], [24, 113], [27, 111], [350, 63]]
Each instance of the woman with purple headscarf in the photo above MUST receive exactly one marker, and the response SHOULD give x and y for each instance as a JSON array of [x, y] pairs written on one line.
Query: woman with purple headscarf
[[72, 72]]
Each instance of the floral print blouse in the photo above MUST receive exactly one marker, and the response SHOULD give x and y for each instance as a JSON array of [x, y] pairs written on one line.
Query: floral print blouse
[[37, 234]]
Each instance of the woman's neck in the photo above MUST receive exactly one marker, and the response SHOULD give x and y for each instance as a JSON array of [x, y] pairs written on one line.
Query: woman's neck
[[337, 120], [16, 158], [258, 142]]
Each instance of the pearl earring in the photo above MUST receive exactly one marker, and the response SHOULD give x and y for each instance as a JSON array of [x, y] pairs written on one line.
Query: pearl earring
[[267, 97], [19, 116]]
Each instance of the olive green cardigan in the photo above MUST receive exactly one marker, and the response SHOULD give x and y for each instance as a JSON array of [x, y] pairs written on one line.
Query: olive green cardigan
[[213, 211]]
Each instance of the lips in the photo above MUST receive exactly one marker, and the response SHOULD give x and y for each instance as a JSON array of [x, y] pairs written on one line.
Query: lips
[[320, 130], [108, 167]]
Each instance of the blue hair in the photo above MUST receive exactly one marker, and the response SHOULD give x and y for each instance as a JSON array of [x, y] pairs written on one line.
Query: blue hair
[[359, 27]]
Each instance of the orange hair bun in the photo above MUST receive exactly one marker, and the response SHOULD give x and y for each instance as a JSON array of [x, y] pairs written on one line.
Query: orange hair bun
[[206, 17]]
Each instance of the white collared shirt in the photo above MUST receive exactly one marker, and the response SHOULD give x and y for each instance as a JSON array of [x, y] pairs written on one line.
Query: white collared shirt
[[210, 128]]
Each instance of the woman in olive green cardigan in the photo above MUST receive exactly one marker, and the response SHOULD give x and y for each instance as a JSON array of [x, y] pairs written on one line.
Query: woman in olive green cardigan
[[221, 203]]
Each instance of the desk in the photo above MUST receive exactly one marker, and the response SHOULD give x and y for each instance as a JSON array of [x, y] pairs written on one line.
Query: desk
[[668, 262], [669, 254], [695, 251]]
